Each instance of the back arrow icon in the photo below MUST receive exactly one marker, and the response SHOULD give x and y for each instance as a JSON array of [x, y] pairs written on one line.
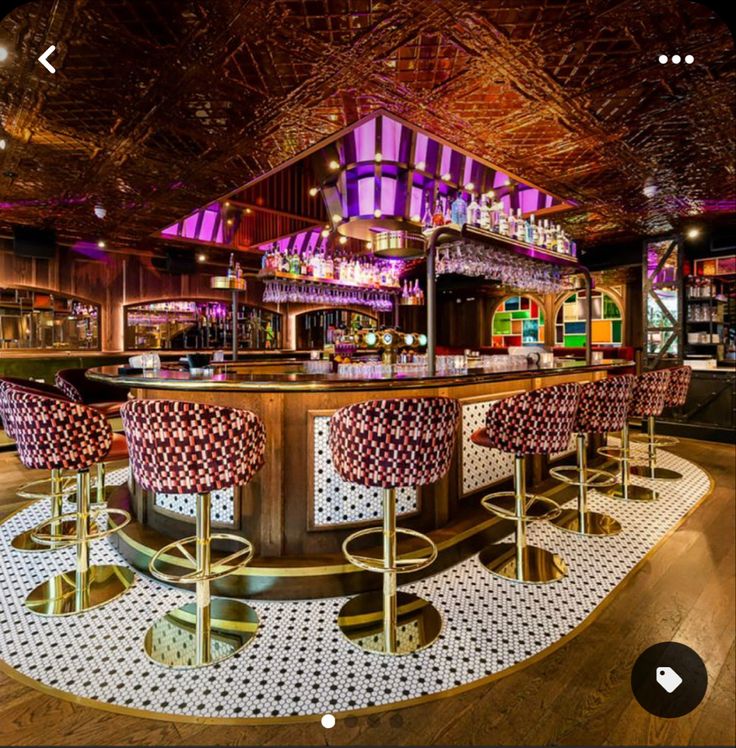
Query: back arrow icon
[[43, 59]]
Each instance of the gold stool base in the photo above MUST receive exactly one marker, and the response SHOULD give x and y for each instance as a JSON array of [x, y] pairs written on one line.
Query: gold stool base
[[540, 566], [656, 473], [172, 640], [59, 595], [418, 623], [631, 493], [26, 544], [593, 523]]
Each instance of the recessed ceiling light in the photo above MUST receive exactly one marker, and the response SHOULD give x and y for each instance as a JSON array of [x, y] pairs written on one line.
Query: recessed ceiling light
[[446, 176], [420, 165], [101, 244], [416, 218], [378, 157], [3, 54], [3, 144], [377, 213], [469, 186], [334, 165], [201, 258], [343, 240], [336, 218], [325, 233], [313, 191], [693, 233]]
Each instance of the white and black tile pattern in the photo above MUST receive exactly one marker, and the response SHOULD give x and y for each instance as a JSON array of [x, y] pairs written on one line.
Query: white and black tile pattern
[[186, 505], [337, 502], [489, 625], [481, 466]]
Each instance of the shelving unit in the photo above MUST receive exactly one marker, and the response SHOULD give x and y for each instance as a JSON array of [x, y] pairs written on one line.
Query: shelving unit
[[704, 316]]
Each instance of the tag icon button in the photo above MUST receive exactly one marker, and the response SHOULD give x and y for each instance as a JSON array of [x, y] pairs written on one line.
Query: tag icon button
[[668, 679]]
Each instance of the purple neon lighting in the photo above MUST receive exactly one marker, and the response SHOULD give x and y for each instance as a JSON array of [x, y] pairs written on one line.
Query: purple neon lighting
[[500, 179], [388, 196], [445, 160], [416, 202], [420, 148], [208, 225], [366, 197], [171, 230], [390, 137], [365, 141], [189, 229]]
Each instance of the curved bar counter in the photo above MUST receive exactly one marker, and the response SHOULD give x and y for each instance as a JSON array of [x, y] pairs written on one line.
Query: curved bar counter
[[297, 526]]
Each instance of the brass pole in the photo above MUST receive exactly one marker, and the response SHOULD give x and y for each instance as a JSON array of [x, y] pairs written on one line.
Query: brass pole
[[100, 482], [582, 478], [203, 622], [651, 447], [82, 571], [520, 491], [625, 452], [56, 499], [389, 564]]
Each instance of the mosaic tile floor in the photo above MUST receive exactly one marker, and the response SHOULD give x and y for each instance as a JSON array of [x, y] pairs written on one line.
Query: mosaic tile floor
[[289, 671]]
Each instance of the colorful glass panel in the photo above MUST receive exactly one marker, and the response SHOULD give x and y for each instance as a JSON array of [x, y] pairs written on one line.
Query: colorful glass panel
[[518, 320], [570, 324]]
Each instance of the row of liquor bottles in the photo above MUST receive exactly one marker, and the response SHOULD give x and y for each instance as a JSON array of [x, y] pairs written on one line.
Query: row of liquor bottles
[[321, 266], [490, 214]]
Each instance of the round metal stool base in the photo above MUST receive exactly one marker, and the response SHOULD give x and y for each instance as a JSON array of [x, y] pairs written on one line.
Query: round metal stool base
[[657, 474], [26, 544], [633, 493], [418, 623], [593, 523], [540, 566], [174, 641], [72, 593]]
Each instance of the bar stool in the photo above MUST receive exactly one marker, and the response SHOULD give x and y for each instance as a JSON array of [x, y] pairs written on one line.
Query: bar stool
[[183, 447], [390, 444], [647, 399], [537, 422], [675, 397], [104, 398], [54, 434], [602, 407], [55, 488]]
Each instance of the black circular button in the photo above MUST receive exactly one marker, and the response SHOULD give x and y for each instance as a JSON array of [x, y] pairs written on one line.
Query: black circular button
[[669, 679]]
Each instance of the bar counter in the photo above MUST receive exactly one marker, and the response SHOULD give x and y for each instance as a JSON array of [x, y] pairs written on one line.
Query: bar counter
[[297, 511]]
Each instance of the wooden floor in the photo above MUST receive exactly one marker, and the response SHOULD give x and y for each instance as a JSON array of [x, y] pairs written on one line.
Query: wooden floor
[[577, 695]]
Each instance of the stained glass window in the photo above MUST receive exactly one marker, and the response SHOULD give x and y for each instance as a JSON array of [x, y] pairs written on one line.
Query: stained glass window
[[518, 320], [570, 325]]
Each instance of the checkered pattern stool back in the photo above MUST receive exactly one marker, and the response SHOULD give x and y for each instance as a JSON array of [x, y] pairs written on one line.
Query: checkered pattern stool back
[[538, 422], [39, 388], [650, 390], [53, 434], [395, 443], [180, 447], [676, 395], [604, 404], [66, 385]]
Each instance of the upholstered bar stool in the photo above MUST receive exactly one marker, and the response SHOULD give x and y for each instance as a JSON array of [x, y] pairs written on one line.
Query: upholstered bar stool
[[107, 400], [54, 488], [181, 447], [647, 399], [55, 434], [675, 397], [390, 444], [537, 422], [602, 407]]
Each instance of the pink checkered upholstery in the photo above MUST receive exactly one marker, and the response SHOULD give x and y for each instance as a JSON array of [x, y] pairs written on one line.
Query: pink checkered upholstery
[[29, 385], [181, 447], [66, 386], [603, 405], [403, 441], [53, 434], [537, 422], [650, 390], [676, 395]]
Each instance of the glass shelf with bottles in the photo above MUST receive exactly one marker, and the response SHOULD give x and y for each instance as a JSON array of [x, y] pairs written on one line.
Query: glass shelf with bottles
[[489, 213], [320, 267]]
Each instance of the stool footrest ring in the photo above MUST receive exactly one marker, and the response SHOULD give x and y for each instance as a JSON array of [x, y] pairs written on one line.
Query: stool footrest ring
[[54, 538], [404, 565], [531, 500], [570, 474], [221, 567], [657, 441], [33, 490], [613, 453]]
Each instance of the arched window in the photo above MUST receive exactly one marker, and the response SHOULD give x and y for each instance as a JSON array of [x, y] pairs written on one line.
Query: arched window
[[518, 320], [570, 325]]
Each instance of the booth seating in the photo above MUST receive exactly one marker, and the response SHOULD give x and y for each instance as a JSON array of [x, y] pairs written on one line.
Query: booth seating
[[55, 434], [103, 397], [390, 444], [675, 397], [603, 407], [180, 447], [537, 422], [647, 399]]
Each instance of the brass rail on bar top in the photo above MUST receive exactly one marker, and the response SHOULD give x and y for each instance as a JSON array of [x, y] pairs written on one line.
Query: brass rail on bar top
[[486, 237]]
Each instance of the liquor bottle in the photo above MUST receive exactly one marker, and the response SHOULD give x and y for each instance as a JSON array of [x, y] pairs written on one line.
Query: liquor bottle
[[520, 226], [503, 223], [485, 214], [511, 224], [329, 269], [459, 210], [438, 216], [231, 266], [473, 212], [447, 212], [294, 265], [284, 262], [531, 229], [427, 220]]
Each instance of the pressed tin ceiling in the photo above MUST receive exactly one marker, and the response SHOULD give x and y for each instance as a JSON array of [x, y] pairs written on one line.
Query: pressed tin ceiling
[[160, 106]]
